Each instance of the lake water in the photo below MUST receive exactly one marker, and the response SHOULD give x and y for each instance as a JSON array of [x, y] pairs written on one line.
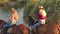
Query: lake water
[[5, 15]]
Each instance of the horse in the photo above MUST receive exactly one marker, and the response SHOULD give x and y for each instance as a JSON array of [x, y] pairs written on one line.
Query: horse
[[49, 28], [20, 29], [2, 22]]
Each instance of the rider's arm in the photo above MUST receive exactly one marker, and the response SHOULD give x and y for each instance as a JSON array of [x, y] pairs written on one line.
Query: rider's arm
[[12, 18]]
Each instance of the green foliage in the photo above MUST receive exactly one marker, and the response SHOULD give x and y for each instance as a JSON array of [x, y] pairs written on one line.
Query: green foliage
[[30, 7], [7, 4], [51, 7], [3, 1]]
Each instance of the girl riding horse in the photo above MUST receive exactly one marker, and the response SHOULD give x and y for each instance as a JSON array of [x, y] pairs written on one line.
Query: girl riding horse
[[14, 17], [49, 28]]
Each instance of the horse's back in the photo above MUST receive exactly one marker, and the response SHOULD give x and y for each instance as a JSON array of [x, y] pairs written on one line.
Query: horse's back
[[42, 28], [51, 28]]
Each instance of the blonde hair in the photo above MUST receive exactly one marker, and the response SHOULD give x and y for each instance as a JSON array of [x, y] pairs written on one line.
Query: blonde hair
[[44, 13]]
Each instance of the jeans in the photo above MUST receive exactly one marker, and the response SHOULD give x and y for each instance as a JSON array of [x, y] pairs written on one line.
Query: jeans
[[36, 25], [7, 24]]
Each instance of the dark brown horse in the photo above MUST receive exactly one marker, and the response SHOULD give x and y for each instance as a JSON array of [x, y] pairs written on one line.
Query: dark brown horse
[[2, 22], [20, 29], [51, 28]]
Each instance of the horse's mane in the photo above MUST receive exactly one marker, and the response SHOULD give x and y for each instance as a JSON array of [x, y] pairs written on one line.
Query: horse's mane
[[2, 21]]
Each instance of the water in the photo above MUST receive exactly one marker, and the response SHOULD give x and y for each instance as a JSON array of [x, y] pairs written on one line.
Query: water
[[4, 15]]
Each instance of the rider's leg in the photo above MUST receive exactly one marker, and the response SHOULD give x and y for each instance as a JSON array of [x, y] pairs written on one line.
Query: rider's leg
[[36, 25], [12, 25], [7, 24], [6, 27]]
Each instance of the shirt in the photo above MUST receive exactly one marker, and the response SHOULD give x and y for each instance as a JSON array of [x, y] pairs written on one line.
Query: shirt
[[41, 16]]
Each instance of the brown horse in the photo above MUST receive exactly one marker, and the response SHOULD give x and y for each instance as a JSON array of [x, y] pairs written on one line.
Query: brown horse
[[2, 22], [51, 28], [20, 29]]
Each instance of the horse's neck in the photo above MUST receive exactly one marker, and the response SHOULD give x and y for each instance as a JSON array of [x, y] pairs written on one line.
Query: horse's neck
[[31, 20]]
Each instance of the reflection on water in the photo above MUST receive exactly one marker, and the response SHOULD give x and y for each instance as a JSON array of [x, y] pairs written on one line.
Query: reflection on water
[[5, 15]]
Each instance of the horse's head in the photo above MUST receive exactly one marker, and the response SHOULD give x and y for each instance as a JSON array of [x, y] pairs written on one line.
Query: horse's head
[[31, 20]]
